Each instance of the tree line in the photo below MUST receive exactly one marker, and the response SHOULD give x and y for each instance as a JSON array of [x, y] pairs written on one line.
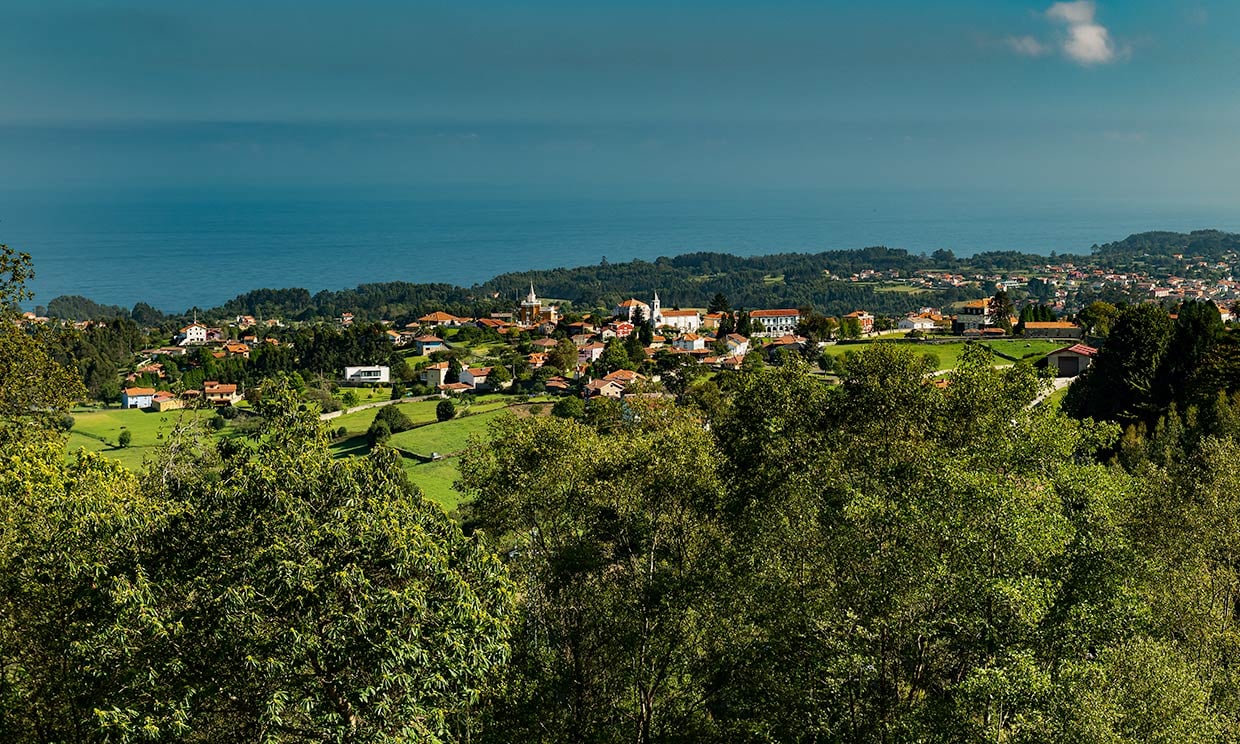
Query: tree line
[[883, 560]]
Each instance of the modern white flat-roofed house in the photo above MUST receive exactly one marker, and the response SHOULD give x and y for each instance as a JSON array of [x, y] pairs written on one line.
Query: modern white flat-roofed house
[[776, 323], [364, 375]]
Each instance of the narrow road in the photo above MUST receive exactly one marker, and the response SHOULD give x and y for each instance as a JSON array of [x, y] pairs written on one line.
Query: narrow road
[[375, 404]]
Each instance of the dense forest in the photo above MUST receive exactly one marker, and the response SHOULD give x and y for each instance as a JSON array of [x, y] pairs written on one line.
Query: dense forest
[[775, 559], [690, 280]]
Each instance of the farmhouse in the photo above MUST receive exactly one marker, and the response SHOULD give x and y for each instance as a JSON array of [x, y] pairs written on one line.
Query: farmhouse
[[220, 394], [136, 397]]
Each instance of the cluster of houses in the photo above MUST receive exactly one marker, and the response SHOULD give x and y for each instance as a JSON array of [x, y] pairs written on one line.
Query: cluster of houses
[[199, 334], [213, 393]]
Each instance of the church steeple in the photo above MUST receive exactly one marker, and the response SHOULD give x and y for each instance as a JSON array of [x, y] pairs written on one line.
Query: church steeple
[[532, 298], [656, 312]]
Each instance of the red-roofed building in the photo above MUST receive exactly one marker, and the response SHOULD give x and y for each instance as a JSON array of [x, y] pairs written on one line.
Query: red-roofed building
[[1070, 361], [136, 397], [776, 323]]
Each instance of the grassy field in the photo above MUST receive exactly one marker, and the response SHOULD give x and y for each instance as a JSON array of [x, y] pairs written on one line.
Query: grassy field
[[99, 430], [446, 437], [948, 355], [1032, 349], [436, 479]]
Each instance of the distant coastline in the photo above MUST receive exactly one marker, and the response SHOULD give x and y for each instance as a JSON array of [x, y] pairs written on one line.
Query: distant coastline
[[177, 251], [1144, 266]]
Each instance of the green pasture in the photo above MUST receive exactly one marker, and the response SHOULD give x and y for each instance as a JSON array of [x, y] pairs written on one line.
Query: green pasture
[[435, 479], [99, 431]]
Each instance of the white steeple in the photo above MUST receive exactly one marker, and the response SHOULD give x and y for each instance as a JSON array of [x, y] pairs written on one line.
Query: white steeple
[[532, 298], [656, 312]]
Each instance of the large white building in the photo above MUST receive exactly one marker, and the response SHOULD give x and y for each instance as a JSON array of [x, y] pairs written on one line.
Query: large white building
[[194, 333], [776, 323], [685, 321]]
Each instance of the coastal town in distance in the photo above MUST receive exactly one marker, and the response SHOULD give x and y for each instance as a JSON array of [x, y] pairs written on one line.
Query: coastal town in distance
[[1054, 314]]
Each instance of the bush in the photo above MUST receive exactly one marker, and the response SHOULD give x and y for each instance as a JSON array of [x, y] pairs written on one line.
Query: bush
[[570, 408], [537, 408], [379, 432], [349, 399], [394, 418], [229, 412], [217, 422], [125, 438], [445, 411], [65, 422]]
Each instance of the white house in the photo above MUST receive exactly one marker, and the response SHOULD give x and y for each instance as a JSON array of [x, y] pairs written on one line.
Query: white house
[[424, 345], [194, 333], [629, 308], [776, 323], [136, 397], [690, 342], [916, 323], [475, 377], [360, 375], [435, 374], [737, 344]]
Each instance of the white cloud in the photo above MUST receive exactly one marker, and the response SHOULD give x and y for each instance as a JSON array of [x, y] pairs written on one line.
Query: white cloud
[[1027, 46], [1087, 41], [1081, 11]]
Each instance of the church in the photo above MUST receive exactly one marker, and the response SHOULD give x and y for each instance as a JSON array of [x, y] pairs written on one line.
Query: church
[[532, 312], [685, 321]]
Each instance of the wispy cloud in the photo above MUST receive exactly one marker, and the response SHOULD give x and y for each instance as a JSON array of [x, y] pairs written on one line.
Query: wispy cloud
[[1086, 42], [1027, 46]]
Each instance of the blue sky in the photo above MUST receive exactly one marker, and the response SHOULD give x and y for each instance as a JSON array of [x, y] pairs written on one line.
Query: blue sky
[[1107, 99]]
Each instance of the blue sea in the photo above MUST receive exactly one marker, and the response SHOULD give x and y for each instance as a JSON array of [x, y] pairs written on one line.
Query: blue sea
[[181, 249]]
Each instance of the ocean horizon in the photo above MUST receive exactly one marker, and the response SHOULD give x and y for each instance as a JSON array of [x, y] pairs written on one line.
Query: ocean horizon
[[182, 249]]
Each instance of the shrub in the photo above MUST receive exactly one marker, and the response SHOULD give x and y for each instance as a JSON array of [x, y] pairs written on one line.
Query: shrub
[[228, 412], [445, 410], [125, 438], [571, 408], [217, 422], [379, 432], [342, 432], [394, 418]]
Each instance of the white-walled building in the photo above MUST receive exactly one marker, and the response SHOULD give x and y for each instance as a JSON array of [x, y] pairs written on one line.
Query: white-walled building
[[364, 375], [776, 323]]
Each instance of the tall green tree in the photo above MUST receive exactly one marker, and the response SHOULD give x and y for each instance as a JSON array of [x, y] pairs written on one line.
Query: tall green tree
[[615, 547]]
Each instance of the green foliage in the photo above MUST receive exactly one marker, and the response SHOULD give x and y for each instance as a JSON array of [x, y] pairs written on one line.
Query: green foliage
[[445, 410], [570, 407], [614, 539], [1096, 318], [124, 439]]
